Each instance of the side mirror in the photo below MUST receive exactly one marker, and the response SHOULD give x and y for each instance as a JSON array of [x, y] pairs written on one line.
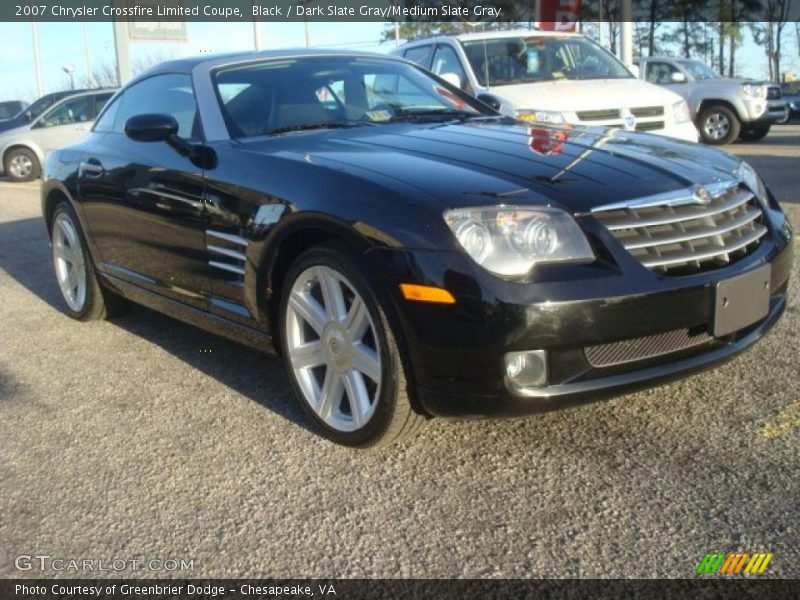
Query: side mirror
[[151, 128], [677, 77], [490, 100], [452, 79]]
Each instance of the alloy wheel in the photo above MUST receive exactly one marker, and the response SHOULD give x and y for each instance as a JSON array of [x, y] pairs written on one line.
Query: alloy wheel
[[69, 262], [333, 348], [20, 167], [717, 126]]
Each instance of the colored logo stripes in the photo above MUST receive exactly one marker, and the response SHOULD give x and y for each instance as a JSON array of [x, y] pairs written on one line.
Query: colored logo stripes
[[734, 563]]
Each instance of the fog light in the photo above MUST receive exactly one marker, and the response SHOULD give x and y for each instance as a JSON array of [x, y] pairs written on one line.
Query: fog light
[[527, 369]]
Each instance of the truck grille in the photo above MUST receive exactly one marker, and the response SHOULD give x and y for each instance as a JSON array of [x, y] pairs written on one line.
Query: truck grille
[[773, 93], [691, 231], [648, 111], [642, 348], [650, 126], [599, 115]]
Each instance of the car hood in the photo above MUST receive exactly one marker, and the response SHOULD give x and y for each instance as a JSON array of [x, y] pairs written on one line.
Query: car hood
[[587, 94], [12, 123], [488, 162]]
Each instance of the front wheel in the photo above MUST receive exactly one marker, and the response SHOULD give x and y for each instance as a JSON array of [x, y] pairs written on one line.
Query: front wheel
[[718, 125], [343, 351], [754, 132]]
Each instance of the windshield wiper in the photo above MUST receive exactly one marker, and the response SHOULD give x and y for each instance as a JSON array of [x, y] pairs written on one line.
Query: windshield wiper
[[335, 124], [434, 114]]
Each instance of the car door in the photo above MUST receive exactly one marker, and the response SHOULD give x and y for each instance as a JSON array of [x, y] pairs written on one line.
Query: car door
[[65, 124], [143, 201], [661, 72]]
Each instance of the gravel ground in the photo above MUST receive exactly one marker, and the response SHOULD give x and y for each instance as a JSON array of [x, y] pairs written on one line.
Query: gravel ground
[[144, 438]]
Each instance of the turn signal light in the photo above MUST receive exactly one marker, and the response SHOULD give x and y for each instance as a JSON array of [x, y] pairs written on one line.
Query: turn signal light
[[426, 293]]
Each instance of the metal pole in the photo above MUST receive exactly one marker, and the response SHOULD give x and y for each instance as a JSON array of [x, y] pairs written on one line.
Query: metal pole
[[305, 28], [37, 61], [121, 47], [626, 36], [396, 34], [257, 41], [89, 75]]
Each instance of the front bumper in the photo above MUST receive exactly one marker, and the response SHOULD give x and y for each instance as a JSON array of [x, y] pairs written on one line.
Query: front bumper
[[681, 131], [457, 351], [765, 111]]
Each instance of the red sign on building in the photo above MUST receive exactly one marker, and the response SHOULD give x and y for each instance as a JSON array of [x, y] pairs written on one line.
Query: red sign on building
[[559, 15]]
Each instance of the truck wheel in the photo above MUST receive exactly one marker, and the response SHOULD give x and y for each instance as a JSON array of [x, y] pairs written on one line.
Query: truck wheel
[[754, 132], [718, 125]]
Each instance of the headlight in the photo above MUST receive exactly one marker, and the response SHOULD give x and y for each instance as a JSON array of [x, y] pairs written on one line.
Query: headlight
[[680, 112], [511, 240], [754, 91], [540, 116], [747, 175]]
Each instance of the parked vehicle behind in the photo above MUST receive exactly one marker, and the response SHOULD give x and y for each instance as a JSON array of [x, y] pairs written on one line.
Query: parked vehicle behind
[[791, 94], [556, 78], [723, 108], [11, 108], [408, 251], [37, 108], [24, 148]]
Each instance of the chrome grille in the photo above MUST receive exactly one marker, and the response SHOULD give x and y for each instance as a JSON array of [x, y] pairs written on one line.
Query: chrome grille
[[642, 348], [647, 111], [773, 93], [688, 231]]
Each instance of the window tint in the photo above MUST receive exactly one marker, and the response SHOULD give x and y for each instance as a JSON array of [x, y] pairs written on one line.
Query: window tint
[[420, 55], [281, 95], [658, 72], [163, 94], [77, 110], [106, 121], [446, 61]]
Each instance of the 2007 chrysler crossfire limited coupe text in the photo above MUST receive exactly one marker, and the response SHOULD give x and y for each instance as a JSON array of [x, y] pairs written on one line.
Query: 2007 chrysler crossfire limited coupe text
[[409, 252]]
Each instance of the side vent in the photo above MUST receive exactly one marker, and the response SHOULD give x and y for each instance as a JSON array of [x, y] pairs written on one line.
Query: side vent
[[228, 252]]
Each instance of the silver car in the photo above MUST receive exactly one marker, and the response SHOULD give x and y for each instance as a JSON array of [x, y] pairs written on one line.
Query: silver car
[[23, 149]]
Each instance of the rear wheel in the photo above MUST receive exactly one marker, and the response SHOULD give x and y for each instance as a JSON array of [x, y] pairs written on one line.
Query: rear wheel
[[342, 350], [85, 299], [21, 164], [754, 132], [718, 125]]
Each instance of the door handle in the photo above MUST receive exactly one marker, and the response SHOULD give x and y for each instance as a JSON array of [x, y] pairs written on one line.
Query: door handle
[[91, 168]]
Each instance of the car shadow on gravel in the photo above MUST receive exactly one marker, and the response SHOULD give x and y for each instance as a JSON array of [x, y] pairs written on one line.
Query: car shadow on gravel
[[25, 256]]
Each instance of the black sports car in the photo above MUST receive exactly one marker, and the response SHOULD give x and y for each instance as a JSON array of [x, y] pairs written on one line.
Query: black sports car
[[407, 251]]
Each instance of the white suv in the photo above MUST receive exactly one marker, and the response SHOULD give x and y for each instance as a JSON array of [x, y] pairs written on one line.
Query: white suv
[[552, 78]]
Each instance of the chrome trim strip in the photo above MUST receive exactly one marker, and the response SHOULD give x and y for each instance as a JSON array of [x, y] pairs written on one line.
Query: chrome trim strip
[[688, 256], [226, 252], [680, 197], [129, 273], [616, 224], [227, 267], [234, 239], [643, 241]]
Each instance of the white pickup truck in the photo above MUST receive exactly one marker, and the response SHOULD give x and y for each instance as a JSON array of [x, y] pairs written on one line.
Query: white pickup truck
[[552, 78]]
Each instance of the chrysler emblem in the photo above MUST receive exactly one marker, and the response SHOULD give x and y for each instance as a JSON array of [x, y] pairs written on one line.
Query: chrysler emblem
[[630, 122], [701, 195]]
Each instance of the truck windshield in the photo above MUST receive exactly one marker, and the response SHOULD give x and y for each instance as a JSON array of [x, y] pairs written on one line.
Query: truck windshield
[[513, 60], [698, 70]]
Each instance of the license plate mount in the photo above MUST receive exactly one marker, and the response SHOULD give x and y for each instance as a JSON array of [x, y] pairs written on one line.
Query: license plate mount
[[741, 301]]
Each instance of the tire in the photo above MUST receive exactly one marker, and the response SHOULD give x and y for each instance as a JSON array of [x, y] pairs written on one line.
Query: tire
[[84, 298], [21, 164], [350, 374], [718, 125], [754, 132], [785, 118]]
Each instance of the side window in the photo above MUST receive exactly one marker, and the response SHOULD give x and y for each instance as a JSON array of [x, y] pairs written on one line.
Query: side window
[[100, 100], [77, 110], [420, 55], [165, 94], [106, 121], [659, 72], [445, 60]]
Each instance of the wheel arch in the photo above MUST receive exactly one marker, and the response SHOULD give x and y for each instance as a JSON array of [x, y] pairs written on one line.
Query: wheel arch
[[22, 145], [709, 102]]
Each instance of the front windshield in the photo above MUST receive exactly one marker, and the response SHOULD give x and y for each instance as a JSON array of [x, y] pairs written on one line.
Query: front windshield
[[512, 60], [699, 71], [285, 95]]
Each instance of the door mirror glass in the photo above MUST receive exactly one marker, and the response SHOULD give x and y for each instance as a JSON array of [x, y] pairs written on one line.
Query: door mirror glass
[[452, 79], [677, 77], [151, 128]]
